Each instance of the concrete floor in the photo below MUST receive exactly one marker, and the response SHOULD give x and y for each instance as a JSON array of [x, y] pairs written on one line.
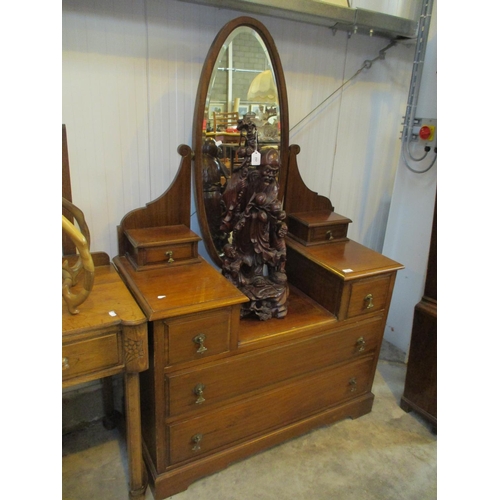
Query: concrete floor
[[385, 455]]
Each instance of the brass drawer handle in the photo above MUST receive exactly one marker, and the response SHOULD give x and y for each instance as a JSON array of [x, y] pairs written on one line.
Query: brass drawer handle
[[369, 301], [198, 391], [65, 363], [196, 439], [200, 339], [354, 384], [329, 235], [361, 344], [169, 254]]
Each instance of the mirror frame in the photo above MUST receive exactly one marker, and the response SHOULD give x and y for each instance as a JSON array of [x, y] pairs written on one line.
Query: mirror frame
[[199, 115]]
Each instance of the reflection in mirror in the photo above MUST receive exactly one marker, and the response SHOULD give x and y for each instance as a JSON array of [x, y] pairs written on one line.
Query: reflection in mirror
[[241, 89], [240, 133], [242, 83]]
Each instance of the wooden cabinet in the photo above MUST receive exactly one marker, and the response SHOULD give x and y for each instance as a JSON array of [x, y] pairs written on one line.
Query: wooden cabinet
[[223, 384], [220, 388]]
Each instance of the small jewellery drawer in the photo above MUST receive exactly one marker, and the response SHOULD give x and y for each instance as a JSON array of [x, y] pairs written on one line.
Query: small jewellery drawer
[[168, 254], [328, 233], [313, 228], [197, 336], [240, 376], [152, 247], [368, 295], [90, 355], [189, 439]]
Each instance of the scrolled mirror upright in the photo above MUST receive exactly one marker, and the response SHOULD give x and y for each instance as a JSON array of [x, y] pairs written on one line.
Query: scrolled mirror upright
[[241, 97]]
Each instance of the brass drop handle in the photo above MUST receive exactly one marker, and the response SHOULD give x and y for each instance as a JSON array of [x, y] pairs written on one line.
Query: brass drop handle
[[65, 363], [369, 301], [196, 439], [200, 339], [329, 235], [198, 391], [361, 344], [354, 384], [169, 254]]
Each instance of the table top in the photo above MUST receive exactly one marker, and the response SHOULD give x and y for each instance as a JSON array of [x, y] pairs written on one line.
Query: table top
[[109, 303]]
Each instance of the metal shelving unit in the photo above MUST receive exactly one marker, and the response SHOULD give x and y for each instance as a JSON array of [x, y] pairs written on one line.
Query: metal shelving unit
[[352, 20]]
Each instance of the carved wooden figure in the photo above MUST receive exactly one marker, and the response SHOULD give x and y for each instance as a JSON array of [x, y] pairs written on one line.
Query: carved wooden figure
[[254, 221]]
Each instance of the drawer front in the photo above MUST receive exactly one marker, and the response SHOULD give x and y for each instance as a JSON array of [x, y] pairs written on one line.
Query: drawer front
[[239, 376], [168, 254], [368, 295], [191, 438], [197, 337], [91, 355], [328, 233]]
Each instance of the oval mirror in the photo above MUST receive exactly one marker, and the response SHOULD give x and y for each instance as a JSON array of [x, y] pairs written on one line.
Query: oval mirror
[[241, 83]]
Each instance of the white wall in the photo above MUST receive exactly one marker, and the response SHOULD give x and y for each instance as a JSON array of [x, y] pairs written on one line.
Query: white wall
[[130, 71], [129, 77], [412, 209]]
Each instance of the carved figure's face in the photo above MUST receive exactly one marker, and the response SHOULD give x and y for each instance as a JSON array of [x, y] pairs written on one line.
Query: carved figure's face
[[268, 173]]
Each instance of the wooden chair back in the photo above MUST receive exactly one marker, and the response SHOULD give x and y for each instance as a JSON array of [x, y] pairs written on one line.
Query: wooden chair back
[[224, 120]]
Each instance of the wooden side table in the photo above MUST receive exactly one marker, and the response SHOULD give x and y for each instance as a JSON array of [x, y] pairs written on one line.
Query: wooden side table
[[107, 337]]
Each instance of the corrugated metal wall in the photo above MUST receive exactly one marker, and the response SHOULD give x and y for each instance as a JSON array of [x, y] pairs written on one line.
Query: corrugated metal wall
[[130, 72]]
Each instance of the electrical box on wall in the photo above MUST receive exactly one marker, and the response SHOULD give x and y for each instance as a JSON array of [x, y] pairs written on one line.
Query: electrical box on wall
[[424, 132], [419, 144]]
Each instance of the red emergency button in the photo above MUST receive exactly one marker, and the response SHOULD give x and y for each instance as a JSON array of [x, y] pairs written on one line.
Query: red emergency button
[[425, 133]]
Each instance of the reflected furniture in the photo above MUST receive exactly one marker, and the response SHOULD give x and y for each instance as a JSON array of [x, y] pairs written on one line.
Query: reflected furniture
[[420, 392], [224, 133], [224, 120], [220, 386]]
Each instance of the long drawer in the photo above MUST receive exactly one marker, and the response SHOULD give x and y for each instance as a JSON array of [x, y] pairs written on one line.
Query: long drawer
[[189, 439], [239, 376], [91, 354]]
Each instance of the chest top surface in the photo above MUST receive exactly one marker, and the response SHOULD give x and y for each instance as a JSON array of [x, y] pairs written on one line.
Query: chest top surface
[[168, 292], [347, 259]]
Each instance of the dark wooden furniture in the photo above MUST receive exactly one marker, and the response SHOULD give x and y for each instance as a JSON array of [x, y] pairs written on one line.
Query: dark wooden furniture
[[420, 392], [107, 337], [221, 387]]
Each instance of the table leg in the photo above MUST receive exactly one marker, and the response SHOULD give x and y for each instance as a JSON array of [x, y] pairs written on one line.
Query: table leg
[[137, 483]]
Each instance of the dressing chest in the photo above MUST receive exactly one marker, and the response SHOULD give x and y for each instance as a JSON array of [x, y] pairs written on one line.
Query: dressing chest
[[219, 386]]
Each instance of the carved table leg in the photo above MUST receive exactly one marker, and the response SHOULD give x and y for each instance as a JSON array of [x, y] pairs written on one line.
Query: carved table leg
[[137, 485]]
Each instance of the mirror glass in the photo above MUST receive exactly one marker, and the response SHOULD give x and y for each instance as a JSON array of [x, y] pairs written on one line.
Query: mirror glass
[[242, 83], [241, 80]]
